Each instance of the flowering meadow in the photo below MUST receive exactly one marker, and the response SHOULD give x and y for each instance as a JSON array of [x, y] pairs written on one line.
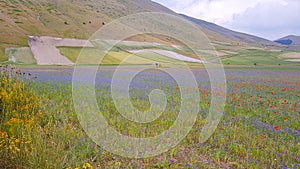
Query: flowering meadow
[[259, 128]]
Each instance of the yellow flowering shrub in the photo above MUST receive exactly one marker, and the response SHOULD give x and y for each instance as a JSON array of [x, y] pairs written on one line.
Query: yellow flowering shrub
[[19, 108]]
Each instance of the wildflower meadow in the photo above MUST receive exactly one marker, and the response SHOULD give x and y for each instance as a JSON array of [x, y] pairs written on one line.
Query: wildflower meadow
[[259, 128]]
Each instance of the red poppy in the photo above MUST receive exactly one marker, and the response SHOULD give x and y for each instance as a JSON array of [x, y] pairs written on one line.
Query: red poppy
[[260, 138], [277, 128], [208, 102], [275, 112], [285, 119]]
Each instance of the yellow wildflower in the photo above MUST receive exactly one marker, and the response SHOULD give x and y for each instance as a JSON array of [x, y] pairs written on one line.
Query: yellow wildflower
[[17, 149], [13, 121], [87, 166], [3, 135], [117, 163]]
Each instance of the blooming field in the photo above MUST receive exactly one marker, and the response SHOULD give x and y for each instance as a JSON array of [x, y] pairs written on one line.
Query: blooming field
[[259, 129]]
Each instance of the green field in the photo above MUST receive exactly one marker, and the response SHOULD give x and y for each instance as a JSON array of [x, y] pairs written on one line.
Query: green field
[[3, 58], [258, 57], [21, 55], [91, 56]]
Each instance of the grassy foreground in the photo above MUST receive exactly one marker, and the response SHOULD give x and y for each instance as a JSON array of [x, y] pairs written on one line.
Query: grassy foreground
[[39, 127]]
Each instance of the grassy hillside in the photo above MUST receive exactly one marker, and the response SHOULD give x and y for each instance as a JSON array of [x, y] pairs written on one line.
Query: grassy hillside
[[242, 37], [76, 19], [62, 18]]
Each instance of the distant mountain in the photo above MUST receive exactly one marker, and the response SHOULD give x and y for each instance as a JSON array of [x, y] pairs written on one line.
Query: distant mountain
[[289, 40], [250, 39]]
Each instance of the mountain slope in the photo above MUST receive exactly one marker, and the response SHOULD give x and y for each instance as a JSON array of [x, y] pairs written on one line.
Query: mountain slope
[[250, 39], [63, 18], [81, 18], [289, 40]]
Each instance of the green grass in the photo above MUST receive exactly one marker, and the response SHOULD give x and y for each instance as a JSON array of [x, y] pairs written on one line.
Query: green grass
[[129, 58], [115, 57], [22, 55], [3, 57], [253, 56], [157, 58], [91, 56], [125, 47]]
